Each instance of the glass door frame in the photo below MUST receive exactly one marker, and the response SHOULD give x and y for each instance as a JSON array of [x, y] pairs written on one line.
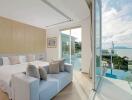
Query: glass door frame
[[94, 41], [60, 43], [69, 40]]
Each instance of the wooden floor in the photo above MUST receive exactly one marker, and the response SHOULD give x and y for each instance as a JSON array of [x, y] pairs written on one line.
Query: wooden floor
[[3, 96], [69, 93], [79, 89]]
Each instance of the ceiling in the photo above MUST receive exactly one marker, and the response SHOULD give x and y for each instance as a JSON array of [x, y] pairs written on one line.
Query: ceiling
[[40, 14]]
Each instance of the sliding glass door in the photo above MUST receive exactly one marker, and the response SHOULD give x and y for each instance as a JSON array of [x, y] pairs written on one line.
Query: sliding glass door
[[71, 46], [97, 48], [98, 40], [65, 44]]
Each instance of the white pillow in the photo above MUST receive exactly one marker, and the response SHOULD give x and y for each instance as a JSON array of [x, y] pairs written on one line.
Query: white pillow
[[22, 59], [30, 58], [6, 61]]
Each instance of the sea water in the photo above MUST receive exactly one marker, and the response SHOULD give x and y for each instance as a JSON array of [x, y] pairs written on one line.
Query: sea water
[[124, 52]]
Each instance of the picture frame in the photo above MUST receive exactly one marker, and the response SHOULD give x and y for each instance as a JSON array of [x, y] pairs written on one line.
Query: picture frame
[[51, 42]]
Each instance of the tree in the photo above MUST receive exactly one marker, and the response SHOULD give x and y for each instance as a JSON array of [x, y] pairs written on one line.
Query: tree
[[119, 62]]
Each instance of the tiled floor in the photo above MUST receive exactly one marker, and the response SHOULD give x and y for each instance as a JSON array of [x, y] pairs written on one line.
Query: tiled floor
[[113, 89], [79, 89]]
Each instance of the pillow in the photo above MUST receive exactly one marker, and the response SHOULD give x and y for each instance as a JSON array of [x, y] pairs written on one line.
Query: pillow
[[54, 68], [61, 64], [40, 57], [1, 61], [43, 73], [30, 58], [14, 60], [33, 71], [6, 61], [22, 59], [46, 68]]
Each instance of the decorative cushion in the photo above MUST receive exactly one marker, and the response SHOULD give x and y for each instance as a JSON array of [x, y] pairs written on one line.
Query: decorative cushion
[[14, 60], [33, 71], [30, 58], [43, 73], [46, 68], [6, 61], [1, 61], [53, 68], [61, 64], [40, 57]]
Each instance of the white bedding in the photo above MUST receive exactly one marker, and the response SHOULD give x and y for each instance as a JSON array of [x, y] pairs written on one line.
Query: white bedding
[[7, 71]]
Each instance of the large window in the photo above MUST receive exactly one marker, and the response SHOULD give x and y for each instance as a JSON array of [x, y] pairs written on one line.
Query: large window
[[71, 46], [98, 40], [65, 44], [117, 42]]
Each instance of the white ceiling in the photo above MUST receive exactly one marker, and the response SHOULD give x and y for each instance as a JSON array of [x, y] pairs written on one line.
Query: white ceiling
[[37, 13]]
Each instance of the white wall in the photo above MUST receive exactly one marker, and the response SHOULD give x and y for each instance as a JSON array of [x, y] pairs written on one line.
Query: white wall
[[86, 45], [86, 42], [53, 52]]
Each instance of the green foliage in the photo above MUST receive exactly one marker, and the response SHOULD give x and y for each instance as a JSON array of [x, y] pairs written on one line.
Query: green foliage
[[119, 62], [97, 61], [78, 46]]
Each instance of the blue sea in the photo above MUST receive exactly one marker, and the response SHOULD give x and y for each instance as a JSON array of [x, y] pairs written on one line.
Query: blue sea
[[124, 52]]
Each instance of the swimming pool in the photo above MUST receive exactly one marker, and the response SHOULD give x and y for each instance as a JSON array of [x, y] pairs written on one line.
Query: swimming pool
[[120, 74]]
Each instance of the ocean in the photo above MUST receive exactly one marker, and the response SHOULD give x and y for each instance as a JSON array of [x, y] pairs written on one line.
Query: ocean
[[124, 52]]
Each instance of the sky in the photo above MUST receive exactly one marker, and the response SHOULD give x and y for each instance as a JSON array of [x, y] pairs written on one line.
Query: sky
[[117, 23]]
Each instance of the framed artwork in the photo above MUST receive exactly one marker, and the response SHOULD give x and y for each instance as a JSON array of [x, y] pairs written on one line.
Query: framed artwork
[[52, 42]]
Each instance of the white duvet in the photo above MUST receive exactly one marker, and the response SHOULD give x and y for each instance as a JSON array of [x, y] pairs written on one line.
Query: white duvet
[[7, 71]]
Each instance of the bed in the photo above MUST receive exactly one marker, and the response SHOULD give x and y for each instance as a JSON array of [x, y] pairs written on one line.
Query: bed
[[6, 72]]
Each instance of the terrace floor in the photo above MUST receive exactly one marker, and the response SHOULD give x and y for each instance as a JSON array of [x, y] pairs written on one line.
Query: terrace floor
[[113, 89]]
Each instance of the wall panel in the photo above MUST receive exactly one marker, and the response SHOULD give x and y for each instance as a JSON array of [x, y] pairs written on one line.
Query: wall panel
[[18, 38]]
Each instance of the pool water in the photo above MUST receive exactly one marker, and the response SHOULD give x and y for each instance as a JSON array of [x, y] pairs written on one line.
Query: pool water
[[120, 74], [111, 75]]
